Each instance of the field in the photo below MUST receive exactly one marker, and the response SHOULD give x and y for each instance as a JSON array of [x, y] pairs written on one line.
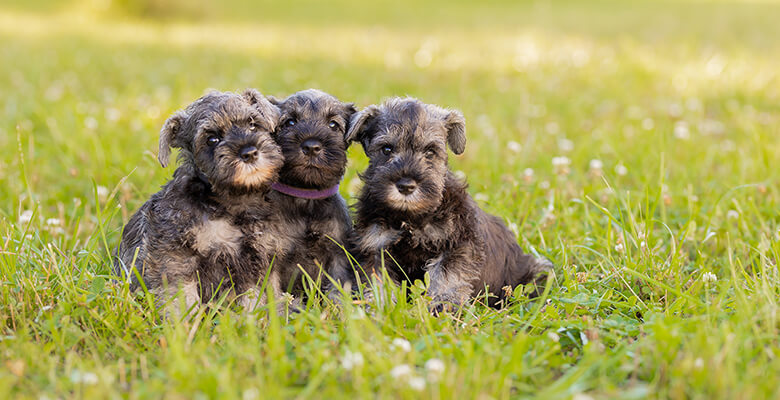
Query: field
[[635, 144]]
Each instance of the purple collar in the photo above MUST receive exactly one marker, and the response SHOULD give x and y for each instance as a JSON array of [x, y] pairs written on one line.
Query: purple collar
[[311, 194]]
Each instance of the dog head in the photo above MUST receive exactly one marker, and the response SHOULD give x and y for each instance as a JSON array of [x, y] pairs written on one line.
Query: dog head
[[226, 137], [406, 142], [312, 138]]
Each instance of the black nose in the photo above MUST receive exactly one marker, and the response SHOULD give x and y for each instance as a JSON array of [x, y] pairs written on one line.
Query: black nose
[[311, 147], [406, 186], [249, 154]]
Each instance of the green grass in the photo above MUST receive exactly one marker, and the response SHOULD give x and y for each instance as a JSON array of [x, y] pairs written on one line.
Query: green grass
[[680, 101]]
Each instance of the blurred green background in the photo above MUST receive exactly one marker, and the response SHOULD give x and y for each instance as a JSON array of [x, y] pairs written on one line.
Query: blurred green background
[[635, 143]]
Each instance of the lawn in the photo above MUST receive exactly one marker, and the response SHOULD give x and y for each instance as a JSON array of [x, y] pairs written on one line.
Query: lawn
[[635, 144]]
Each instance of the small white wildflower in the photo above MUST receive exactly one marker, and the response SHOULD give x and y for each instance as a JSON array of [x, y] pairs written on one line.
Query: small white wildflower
[[417, 383], [553, 336], [648, 124], [552, 128], [102, 192], [514, 146], [113, 114], [87, 378], [351, 360], [596, 165], [619, 247], [481, 197], [25, 217], [528, 172], [698, 363], [401, 344], [681, 130], [709, 277], [91, 123], [565, 145], [53, 222], [732, 214], [544, 185], [250, 394], [621, 170], [581, 396], [435, 368], [562, 161], [402, 371]]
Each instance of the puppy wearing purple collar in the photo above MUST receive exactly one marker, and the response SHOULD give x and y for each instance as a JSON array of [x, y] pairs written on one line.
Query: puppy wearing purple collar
[[313, 215]]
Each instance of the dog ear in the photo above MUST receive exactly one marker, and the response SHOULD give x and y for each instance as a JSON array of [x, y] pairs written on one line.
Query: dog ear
[[455, 124], [358, 124], [274, 100], [268, 110], [168, 135]]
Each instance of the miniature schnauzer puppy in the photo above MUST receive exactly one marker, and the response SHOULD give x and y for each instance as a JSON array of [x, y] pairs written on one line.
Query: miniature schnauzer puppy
[[315, 217], [211, 229], [414, 209]]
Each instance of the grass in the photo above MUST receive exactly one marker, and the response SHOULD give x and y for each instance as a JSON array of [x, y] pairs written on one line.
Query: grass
[[667, 285]]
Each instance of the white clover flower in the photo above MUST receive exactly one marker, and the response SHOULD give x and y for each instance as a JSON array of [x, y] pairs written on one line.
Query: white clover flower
[[351, 360], [648, 124], [544, 185], [709, 277], [53, 222], [561, 161], [87, 378], [102, 192], [514, 146], [552, 128], [698, 363], [402, 371], [528, 172], [481, 197], [621, 170], [25, 217], [732, 214], [596, 165], [619, 247], [91, 123], [401, 344], [417, 383], [435, 368], [565, 145], [681, 130]]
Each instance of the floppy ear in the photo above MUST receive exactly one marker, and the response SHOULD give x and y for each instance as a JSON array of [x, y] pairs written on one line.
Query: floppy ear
[[456, 131], [171, 128], [274, 100], [267, 110], [358, 125]]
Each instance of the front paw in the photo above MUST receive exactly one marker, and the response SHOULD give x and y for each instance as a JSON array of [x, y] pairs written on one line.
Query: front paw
[[437, 308]]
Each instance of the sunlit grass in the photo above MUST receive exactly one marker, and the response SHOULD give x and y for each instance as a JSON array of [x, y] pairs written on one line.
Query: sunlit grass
[[633, 144]]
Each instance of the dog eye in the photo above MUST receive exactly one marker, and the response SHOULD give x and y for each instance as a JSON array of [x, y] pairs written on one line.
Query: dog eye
[[387, 149], [334, 125], [430, 153], [290, 122], [253, 126], [212, 140]]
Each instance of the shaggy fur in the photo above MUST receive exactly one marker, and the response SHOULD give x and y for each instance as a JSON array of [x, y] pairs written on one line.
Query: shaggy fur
[[312, 138], [416, 210], [211, 228]]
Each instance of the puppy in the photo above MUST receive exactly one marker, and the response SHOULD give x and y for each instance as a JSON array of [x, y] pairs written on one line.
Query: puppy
[[210, 229], [414, 209], [314, 216]]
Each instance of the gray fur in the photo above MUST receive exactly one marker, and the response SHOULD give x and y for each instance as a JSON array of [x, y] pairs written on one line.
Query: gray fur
[[211, 228]]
